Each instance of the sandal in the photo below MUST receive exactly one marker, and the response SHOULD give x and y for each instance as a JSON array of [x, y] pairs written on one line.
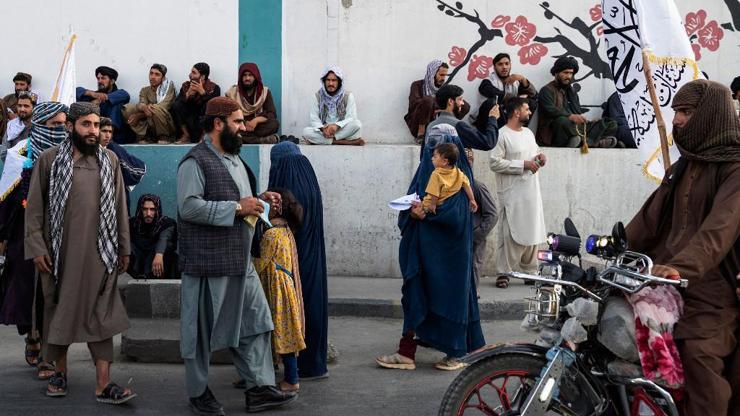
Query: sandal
[[57, 386], [287, 387], [502, 282], [114, 394], [45, 370], [32, 355], [394, 361]]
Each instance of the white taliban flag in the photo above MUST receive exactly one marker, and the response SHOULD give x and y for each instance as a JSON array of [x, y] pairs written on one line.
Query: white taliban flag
[[64, 88], [631, 26]]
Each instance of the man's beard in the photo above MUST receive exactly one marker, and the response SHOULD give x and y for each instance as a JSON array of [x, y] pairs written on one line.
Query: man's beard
[[457, 111], [103, 88], [524, 120], [231, 141], [502, 77], [563, 82], [81, 145], [25, 117]]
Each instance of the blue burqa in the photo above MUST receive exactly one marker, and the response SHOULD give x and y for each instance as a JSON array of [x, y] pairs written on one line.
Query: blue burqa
[[291, 170], [439, 298]]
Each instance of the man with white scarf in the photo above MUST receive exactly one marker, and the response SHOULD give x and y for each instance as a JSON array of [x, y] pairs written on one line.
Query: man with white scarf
[[150, 119], [334, 113], [501, 86]]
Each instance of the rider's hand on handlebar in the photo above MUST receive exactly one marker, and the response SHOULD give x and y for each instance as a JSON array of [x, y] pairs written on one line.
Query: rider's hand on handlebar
[[666, 272]]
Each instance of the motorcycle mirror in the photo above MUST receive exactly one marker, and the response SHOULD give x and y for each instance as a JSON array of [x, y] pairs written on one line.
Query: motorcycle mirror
[[619, 235], [570, 228]]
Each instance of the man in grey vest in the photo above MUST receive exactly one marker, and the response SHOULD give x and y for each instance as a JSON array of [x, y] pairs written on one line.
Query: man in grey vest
[[222, 301]]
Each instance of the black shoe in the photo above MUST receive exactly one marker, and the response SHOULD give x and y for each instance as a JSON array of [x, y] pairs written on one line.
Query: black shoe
[[206, 404], [266, 397]]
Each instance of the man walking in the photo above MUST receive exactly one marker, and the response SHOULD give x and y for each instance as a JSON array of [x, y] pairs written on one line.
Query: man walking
[[77, 235], [516, 159], [222, 301], [689, 226]]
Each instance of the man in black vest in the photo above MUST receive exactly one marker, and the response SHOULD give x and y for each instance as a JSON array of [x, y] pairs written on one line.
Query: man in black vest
[[222, 301]]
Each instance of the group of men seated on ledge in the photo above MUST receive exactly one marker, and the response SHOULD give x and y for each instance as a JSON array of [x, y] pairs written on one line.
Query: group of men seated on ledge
[[561, 121], [164, 115]]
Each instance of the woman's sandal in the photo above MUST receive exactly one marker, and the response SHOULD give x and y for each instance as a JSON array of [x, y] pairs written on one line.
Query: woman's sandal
[[57, 386], [32, 355], [114, 394], [502, 282], [394, 361], [45, 370]]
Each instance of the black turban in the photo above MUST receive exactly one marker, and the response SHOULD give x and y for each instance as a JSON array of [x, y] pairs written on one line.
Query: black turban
[[82, 109], [107, 71], [161, 68], [563, 63], [203, 68]]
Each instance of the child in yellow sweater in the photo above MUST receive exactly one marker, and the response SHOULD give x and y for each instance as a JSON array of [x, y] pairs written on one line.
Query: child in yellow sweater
[[446, 180]]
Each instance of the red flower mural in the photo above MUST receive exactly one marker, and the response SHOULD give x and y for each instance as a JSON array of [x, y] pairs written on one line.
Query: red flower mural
[[600, 30], [694, 21], [531, 54], [499, 21], [697, 51], [595, 13], [710, 35], [479, 67], [519, 32], [457, 55]]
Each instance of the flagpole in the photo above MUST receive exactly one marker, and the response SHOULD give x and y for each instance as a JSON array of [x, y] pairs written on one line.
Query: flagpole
[[55, 94], [656, 108]]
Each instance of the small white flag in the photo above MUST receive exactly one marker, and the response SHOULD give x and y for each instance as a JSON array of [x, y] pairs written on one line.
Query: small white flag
[[654, 25], [64, 88]]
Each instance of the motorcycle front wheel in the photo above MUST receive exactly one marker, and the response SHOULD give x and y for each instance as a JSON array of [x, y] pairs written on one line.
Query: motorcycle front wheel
[[495, 386]]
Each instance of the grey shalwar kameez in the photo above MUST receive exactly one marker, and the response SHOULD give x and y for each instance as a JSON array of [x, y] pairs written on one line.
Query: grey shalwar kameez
[[221, 312]]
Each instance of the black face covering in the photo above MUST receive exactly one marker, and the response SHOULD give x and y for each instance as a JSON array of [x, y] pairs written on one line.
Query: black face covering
[[84, 148], [231, 141]]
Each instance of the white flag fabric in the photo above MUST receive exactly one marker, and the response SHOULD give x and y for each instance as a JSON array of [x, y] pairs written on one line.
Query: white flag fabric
[[64, 88], [654, 25], [12, 169]]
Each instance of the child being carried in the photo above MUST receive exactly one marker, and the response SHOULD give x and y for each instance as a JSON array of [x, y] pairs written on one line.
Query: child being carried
[[446, 180]]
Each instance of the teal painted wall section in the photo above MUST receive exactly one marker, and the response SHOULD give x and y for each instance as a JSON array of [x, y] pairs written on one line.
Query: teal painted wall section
[[161, 172], [260, 41]]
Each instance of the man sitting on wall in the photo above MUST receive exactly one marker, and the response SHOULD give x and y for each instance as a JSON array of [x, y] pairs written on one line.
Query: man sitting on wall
[[150, 119], [561, 123], [501, 86], [153, 241], [190, 104], [258, 107], [109, 98], [334, 113], [422, 108]]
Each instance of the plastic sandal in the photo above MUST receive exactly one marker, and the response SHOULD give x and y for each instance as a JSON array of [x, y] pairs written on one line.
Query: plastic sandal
[[58, 382], [114, 394]]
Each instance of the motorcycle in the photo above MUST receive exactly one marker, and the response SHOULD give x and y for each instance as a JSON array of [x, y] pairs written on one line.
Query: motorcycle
[[572, 368]]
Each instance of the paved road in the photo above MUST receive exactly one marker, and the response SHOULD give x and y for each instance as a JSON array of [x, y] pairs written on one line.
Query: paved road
[[355, 387]]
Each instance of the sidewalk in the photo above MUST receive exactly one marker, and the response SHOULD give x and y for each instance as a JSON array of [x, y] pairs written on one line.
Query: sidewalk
[[381, 297]]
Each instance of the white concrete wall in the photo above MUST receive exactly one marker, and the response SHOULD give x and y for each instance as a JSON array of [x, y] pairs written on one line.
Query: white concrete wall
[[595, 190], [126, 35], [384, 45]]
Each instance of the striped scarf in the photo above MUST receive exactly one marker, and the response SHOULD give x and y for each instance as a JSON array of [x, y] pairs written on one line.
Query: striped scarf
[[430, 88], [62, 170], [43, 137]]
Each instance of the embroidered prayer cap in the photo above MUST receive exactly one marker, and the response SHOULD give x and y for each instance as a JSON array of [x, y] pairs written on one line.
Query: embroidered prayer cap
[[221, 106], [283, 149], [107, 71], [563, 63], [22, 76], [47, 110], [161, 68], [82, 109]]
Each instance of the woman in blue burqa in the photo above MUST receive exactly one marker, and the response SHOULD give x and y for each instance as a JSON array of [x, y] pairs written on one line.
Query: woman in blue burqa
[[291, 170], [440, 307]]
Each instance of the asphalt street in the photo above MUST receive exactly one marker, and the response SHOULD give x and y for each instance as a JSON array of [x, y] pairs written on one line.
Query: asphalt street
[[356, 386]]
